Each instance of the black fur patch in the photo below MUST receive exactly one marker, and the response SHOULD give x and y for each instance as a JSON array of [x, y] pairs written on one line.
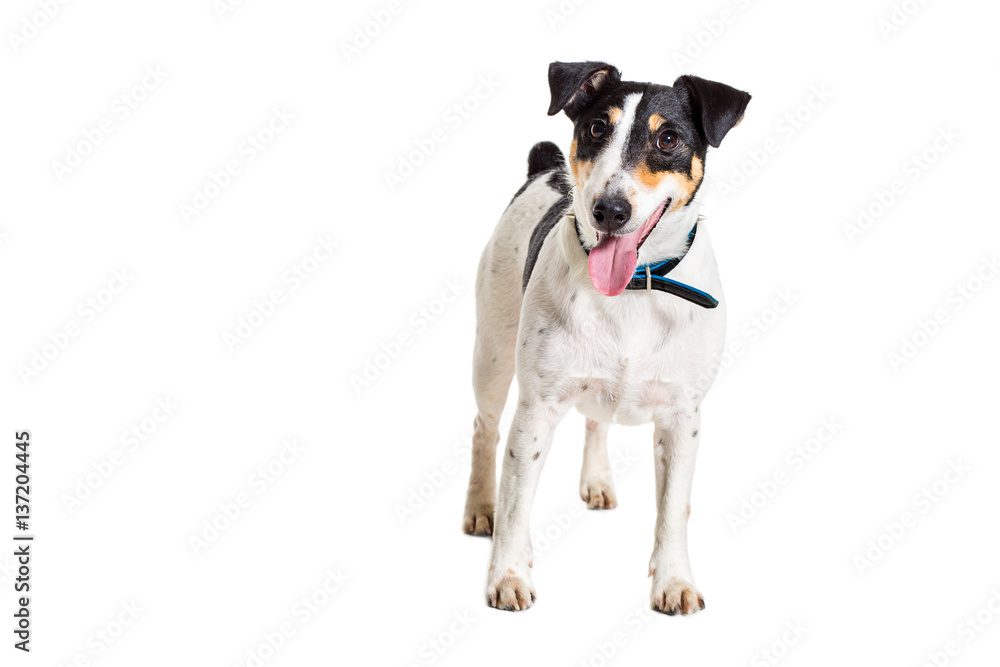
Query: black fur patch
[[559, 181], [717, 107], [548, 156], [542, 229], [544, 156]]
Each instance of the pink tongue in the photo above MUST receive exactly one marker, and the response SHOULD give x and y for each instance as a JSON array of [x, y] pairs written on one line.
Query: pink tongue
[[612, 262]]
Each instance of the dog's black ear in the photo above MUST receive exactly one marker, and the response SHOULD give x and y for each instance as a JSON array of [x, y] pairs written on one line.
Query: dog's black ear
[[574, 84], [717, 107]]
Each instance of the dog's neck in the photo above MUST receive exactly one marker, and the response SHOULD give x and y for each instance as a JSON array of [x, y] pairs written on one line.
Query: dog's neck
[[669, 239]]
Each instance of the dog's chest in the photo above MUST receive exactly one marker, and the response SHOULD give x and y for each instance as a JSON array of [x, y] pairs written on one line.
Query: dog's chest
[[625, 360]]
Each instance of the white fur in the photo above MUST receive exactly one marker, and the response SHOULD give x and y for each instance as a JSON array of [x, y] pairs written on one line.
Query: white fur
[[635, 358]]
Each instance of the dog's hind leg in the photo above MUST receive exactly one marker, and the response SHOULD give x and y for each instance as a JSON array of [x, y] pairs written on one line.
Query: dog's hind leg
[[492, 372], [597, 487], [499, 288]]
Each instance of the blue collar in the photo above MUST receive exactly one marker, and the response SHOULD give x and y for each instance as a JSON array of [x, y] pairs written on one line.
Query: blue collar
[[653, 277]]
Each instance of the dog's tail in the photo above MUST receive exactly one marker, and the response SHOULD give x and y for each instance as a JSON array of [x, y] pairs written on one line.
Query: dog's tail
[[545, 156]]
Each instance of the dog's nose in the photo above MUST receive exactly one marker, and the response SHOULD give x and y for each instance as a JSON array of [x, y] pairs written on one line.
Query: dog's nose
[[611, 214]]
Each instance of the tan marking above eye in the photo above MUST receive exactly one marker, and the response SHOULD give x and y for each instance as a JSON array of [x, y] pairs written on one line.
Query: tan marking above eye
[[655, 121], [614, 114]]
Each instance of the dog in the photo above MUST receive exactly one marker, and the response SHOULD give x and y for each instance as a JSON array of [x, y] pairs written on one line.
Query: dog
[[600, 289]]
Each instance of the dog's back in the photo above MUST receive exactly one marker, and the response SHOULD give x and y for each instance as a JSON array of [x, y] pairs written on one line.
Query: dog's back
[[509, 257]]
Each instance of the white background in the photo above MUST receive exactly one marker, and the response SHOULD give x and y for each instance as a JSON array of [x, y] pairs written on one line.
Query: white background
[[336, 507]]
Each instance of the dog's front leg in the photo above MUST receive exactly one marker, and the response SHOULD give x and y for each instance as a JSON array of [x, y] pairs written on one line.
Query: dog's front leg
[[509, 580], [673, 584]]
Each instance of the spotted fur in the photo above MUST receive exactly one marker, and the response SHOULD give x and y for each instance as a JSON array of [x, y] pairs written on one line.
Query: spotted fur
[[635, 358]]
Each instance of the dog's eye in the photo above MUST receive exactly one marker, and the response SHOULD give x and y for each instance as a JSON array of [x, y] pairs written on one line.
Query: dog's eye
[[666, 141], [597, 128]]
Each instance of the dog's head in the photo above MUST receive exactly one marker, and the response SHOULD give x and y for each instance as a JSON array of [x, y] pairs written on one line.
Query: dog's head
[[637, 157]]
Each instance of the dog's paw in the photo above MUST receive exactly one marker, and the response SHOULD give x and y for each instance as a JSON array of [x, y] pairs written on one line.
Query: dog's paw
[[675, 596], [510, 592], [478, 518], [598, 494]]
